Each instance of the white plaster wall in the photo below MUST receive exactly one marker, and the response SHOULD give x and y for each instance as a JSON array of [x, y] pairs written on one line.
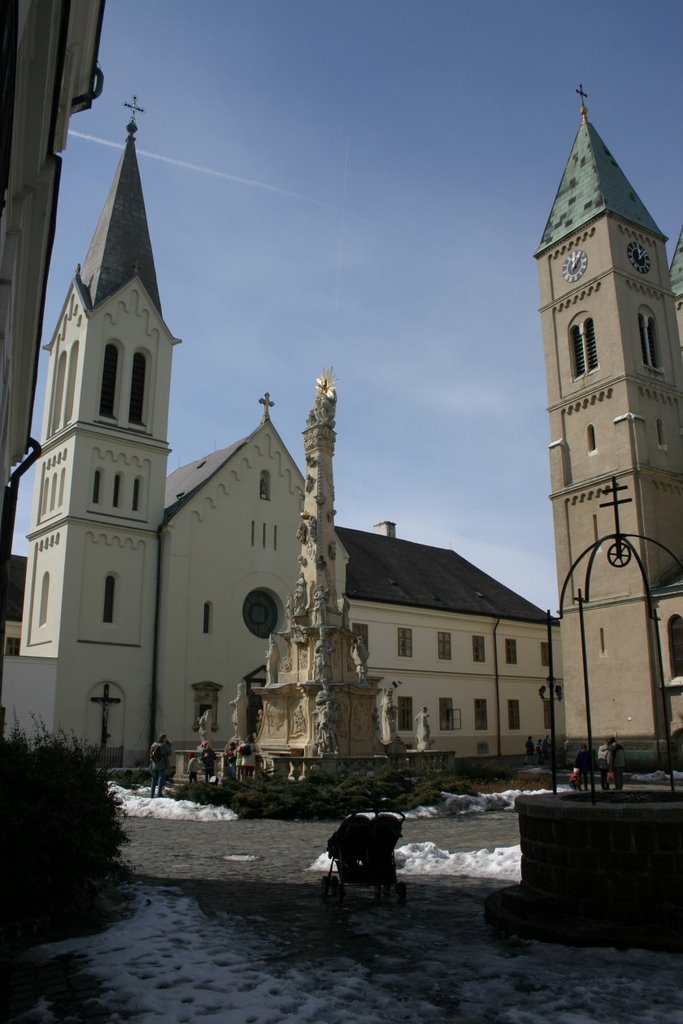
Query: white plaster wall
[[28, 692]]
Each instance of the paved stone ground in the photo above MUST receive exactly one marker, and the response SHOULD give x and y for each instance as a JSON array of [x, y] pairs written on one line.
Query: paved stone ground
[[276, 893]]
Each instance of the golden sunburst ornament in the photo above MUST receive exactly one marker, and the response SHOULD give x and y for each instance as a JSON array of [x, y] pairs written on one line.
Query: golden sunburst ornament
[[326, 383]]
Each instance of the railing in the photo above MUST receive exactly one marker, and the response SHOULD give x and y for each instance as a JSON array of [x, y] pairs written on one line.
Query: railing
[[110, 757]]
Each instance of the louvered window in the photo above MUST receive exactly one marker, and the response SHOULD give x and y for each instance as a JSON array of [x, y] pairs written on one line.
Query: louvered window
[[585, 347], [137, 389], [648, 340], [108, 390]]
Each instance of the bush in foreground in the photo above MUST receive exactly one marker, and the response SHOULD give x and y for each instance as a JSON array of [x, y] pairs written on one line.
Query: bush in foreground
[[62, 831]]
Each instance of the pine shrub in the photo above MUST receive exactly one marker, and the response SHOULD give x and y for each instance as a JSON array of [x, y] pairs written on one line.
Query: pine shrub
[[62, 830]]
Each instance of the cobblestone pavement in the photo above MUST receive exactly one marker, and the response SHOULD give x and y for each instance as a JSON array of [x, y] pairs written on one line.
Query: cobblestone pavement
[[275, 893]]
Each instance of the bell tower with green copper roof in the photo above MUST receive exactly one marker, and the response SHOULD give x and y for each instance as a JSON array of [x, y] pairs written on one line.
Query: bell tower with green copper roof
[[615, 401]]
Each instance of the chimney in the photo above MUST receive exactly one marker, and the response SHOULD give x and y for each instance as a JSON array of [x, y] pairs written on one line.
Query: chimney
[[386, 528]]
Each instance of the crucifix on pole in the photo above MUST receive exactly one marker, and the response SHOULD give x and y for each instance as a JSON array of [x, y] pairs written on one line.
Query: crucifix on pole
[[105, 700]]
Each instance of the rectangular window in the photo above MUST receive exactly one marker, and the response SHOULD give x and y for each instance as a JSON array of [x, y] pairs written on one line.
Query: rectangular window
[[510, 651], [405, 643], [443, 643], [545, 661], [117, 491], [546, 714], [446, 714], [481, 716], [513, 714], [478, 648], [136, 494], [361, 629], [12, 645], [253, 530], [405, 714]]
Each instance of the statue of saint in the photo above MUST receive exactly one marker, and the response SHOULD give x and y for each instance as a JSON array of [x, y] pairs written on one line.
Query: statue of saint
[[323, 667], [300, 595], [272, 660], [204, 724], [239, 711], [387, 716], [327, 708], [359, 654], [320, 595], [423, 732]]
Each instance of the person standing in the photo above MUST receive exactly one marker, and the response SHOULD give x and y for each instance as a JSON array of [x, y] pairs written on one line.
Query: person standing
[[208, 760], [604, 758], [583, 763], [159, 761], [248, 752], [193, 768], [618, 762], [529, 747]]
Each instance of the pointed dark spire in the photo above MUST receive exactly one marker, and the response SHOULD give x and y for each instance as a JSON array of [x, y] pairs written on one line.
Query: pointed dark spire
[[677, 267], [121, 247], [592, 183]]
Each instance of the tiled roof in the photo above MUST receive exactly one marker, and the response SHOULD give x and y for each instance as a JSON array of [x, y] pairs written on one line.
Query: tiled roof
[[389, 570], [121, 246], [592, 183], [677, 267], [187, 480]]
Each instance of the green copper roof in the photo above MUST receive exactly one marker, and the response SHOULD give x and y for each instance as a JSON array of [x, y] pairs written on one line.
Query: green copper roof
[[592, 183], [677, 267]]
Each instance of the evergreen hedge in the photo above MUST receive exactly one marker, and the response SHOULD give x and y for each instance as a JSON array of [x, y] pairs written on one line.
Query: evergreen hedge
[[61, 827]]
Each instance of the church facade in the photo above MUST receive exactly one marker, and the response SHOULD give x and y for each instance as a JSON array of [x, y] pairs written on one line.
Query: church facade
[[148, 599], [611, 312]]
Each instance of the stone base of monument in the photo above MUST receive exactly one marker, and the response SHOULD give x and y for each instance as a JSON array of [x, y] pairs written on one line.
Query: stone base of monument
[[603, 874]]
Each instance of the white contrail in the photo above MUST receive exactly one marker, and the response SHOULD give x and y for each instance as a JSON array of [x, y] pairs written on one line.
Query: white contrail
[[207, 170]]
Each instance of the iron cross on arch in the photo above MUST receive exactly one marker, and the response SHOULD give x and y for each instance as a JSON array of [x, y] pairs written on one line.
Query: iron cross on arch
[[619, 553]]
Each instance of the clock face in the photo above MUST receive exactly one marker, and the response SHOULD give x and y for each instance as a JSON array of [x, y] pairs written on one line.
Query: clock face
[[639, 257], [574, 265]]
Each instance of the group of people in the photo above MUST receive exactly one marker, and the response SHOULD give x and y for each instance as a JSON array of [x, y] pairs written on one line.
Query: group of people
[[611, 761], [538, 750], [240, 760]]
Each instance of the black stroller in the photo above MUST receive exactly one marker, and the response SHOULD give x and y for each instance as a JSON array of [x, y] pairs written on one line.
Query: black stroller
[[362, 851]]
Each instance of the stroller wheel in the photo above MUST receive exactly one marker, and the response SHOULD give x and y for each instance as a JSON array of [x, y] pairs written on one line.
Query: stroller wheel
[[401, 892]]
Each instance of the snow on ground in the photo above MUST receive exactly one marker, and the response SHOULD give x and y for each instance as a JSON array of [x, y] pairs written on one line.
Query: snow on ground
[[456, 803], [654, 777], [136, 806], [168, 962]]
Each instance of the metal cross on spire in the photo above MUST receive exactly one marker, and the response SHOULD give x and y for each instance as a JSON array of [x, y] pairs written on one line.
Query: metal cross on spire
[[584, 97], [267, 406], [132, 125]]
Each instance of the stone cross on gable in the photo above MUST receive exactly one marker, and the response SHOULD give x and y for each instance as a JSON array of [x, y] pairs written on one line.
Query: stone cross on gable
[[105, 700], [267, 406]]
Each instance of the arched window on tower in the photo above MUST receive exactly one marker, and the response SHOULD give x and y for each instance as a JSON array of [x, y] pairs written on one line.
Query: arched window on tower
[[584, 347], [661, 437], [676, 644], [96, 483], [264, 485], [58, 394], [116, 496], [648, 340], [137, 389], [44, 599], [207, 622], [109, 593], [590, 438], [137, 487], [108, 388], [71, 384]]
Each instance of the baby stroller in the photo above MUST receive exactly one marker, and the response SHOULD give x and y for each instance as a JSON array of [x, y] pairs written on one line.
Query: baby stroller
[[362, 852]]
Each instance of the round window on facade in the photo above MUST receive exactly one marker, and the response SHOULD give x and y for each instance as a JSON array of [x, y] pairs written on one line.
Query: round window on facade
[[259, 612]]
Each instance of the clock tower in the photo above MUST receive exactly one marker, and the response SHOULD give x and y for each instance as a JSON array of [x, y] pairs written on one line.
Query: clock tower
[[615, 400]]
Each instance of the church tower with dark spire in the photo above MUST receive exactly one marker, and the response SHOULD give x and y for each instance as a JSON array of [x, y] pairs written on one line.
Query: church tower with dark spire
[[99, 492], [615, 400]]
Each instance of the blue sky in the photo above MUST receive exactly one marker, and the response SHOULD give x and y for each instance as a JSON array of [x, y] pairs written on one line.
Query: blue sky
[[382, 174]]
